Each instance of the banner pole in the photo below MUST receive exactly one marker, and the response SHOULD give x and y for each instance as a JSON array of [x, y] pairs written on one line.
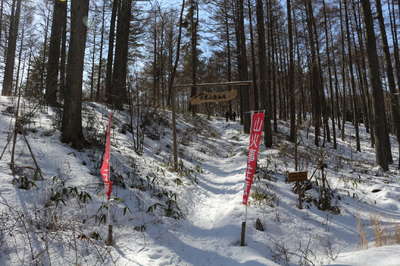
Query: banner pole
[[110, 228], [243, 232]]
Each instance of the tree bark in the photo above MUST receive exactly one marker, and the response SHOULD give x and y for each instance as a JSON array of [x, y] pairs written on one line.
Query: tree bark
[[98, 89], [110, 57], [119, 95], [72, 115], [54, 52], [263, 71], [315, 80], [242, 67], [193, 8], [394, 100], [381, 134], [328, 56], [253, 89], [291, 79], [63, 59], [11, 49]]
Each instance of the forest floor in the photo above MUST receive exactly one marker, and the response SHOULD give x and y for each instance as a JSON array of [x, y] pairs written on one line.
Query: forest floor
[[193, 216]]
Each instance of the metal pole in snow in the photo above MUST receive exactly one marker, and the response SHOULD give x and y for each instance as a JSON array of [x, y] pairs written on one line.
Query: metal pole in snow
[[110, 227], [243, 232]]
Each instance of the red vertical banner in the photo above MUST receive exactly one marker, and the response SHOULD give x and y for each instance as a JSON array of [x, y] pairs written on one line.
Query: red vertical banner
[[257, 125], [105, 166]]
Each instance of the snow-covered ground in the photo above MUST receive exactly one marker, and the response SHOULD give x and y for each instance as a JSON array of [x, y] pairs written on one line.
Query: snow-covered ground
[[192, 217]]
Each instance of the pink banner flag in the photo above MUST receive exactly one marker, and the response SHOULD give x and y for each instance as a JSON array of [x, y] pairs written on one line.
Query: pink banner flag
[[105, 167], [257, 125]]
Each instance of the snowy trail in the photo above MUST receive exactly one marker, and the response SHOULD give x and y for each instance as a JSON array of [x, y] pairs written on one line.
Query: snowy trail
[[211, 232], [220, 189], [213, 225]]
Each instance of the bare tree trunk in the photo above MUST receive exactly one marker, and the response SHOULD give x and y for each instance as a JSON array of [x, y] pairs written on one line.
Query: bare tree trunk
[[194, 8], [110, 57], [364, 69], [263, 71], [44, 55], [352, 81], [242, 67], [381, 133], [389, 73], [253, 89], [72, 115], [93, 66], [344, 107], [155, 67], [228, 48], [54, 52], [291, 79], [1, 21], [21, 45], [328, 55], [172, 89], [98, 90], [272, 70], [11, 49], [119, 95], [63, 59], [315, 80]]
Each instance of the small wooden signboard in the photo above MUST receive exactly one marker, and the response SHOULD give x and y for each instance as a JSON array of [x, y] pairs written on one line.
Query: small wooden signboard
[[297, 176], [298, 188], [214, 97]]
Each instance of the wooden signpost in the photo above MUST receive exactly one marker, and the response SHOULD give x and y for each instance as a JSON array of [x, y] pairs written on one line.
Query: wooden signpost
[[298, 177], [214, 97]]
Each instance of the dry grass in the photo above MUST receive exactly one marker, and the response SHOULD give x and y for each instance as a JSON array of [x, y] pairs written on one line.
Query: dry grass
[[397, 234], [381, 237], [361, 233]]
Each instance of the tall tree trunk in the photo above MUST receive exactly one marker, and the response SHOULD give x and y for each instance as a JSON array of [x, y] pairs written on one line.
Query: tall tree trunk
[[335, 72], [228, 50], [98, 89], [72, 115], [54, 52], [315, 80], [356, 7], [28, 90], [344, 106], [302, 113], [381, 133], [44, 55], [155, 66], [253, 89], [389, 73], [93, 65], [291, 79], [172, 89], [272, 70], [21, 46], [121, 54], [352, 81], [63, 59], [1, 21], [110, 57], [194, 8], [263, 71], [321, 90], [11, 49], [242, 67], [328, 56]]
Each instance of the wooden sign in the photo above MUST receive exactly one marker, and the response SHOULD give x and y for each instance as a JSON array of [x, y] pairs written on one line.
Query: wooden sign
[[213, 97], [297, 176]]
